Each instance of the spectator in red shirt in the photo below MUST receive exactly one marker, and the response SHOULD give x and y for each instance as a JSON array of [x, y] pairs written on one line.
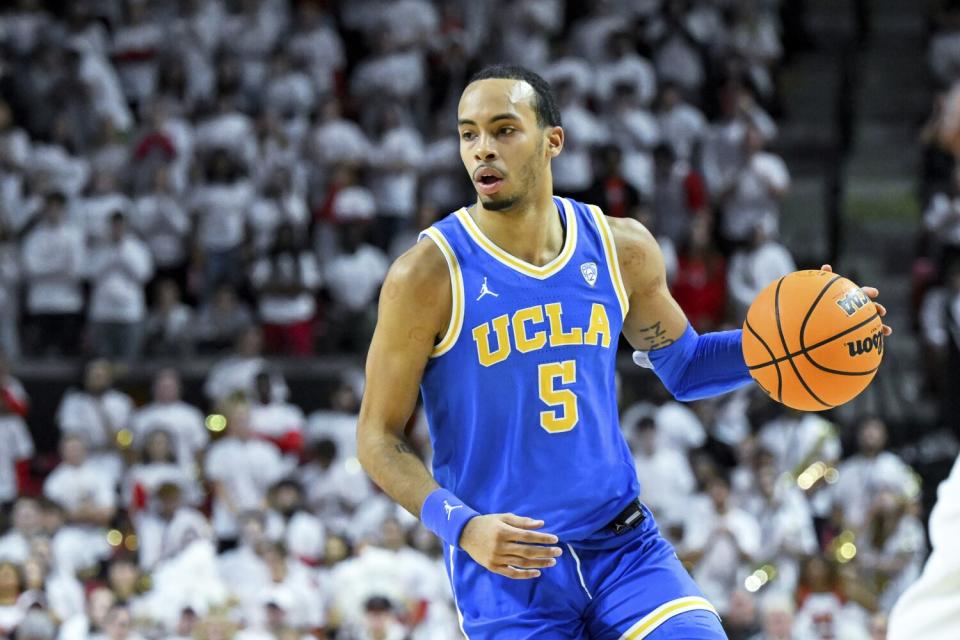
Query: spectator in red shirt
[[609, 191], [700, 286], [679, 194]]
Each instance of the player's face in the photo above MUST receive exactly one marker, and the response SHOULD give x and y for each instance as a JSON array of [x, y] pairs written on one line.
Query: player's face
[[501, 144]]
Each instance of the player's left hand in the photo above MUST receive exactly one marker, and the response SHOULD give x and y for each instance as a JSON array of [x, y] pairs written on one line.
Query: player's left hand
[[872, 293]]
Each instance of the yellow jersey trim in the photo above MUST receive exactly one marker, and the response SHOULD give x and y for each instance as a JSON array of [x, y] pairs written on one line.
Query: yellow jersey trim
[[646, 625], [456, 286], [613, 262], [515, 263]]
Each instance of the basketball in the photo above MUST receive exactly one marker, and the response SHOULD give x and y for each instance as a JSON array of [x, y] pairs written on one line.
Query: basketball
[[812, 340]]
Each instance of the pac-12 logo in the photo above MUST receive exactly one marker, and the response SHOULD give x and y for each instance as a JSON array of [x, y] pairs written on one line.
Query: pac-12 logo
[[866, 345], [853, 301]]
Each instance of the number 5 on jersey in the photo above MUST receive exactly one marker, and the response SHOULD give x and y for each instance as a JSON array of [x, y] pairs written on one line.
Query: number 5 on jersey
[[565, 415]]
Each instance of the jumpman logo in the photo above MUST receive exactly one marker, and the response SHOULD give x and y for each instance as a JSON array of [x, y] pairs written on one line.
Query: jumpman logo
[[449, 508], [485, 290]]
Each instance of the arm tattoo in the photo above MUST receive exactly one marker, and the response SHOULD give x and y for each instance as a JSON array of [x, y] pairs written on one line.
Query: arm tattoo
[[655, 336]]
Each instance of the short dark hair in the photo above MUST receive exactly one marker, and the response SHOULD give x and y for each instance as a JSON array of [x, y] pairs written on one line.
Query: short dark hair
[[548, 115]]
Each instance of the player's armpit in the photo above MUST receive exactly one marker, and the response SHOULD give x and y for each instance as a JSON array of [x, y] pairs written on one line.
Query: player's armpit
[[413, 311], [654, 320]]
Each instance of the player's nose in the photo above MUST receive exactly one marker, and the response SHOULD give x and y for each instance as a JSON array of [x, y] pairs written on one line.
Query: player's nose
[[485, 151]]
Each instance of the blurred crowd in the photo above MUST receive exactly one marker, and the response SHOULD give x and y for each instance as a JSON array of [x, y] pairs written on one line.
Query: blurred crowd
[[936, 272], [231, 179]]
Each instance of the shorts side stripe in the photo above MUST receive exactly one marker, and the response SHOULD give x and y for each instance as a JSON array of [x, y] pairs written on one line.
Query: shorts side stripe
[[576, 559], [664, 612], [453, 590]]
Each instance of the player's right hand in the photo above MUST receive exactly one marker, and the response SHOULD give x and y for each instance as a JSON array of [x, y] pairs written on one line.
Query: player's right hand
[[505, 543]]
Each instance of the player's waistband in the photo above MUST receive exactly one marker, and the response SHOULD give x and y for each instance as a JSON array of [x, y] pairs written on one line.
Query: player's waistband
[[630, 518]]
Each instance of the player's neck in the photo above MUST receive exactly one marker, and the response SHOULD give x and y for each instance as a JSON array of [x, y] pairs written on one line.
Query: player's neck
[[533, 232]]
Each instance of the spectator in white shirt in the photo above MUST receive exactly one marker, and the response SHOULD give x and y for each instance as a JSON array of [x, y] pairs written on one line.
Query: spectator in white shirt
[[353, 279], [755, 266], [276, 421], [282, 203], [682, 125], [119, 268], [285, 280], [666, 481], [18, 448], [395, 163], [316, 42], [168, 526], [777, 611], [169, 413], [26, 524], [220, 210], [157, 465], [335, 484], [679, 195], [797, 440], [95, 210], [289, 521], [10, 276], [786, 525], [892, 546], [234, 376], [169, 330], [723, 145], [162, 221], [720, 540], [241, 468], [53, 263], [864, 475], [753, 196], [88, 499], [222, 320], [338, 141], [97, 413]]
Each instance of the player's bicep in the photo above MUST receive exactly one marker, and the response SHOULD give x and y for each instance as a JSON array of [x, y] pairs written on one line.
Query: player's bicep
[[412, 313], [655, 319]]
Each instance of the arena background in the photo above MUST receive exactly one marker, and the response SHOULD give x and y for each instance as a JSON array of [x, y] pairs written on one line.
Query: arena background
[[214, 189]]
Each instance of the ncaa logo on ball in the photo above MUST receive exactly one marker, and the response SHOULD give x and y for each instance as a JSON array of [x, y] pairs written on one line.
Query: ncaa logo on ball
[[853, 301]]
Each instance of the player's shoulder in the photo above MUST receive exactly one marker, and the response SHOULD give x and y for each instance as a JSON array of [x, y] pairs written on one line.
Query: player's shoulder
[[421, 274], [633, 241], [423, 264]]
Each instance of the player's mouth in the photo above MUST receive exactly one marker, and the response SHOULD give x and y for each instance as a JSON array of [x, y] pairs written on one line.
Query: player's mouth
[[488, 180]]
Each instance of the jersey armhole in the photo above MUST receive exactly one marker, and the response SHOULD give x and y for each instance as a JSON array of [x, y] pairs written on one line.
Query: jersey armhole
[[610, 253], [456, 289]]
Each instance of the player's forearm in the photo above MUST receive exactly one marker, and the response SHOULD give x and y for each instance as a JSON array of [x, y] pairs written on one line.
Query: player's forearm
[[696, 366], [391, 463]]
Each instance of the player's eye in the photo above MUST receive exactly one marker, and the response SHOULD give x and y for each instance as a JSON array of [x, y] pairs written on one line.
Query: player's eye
[[467, 135], [505, 131]]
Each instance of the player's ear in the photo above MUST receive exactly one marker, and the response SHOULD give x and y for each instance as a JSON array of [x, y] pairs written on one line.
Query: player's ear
[[554, 141]]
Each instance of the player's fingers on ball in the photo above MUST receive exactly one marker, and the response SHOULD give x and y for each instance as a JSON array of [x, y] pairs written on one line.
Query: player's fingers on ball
[[872, 292], [887, 330], [826, 268], [882, 310]]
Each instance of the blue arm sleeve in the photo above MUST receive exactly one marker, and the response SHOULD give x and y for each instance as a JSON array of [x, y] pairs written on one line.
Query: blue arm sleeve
[[696, 366]]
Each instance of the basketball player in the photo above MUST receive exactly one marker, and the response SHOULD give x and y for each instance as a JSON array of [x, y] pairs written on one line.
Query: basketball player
[[930, 607], [506, 315]]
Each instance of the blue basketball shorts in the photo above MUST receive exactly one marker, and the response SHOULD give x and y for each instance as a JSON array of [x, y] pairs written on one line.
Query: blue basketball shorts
[[626, 587]]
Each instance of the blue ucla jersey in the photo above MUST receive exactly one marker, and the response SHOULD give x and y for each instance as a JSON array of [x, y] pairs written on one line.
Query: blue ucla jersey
[[520, 393]]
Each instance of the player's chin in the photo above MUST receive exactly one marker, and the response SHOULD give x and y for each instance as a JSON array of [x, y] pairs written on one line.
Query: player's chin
[[497, 203]]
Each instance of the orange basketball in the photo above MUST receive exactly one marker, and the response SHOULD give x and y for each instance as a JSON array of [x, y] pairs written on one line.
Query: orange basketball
[[812, 340]]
